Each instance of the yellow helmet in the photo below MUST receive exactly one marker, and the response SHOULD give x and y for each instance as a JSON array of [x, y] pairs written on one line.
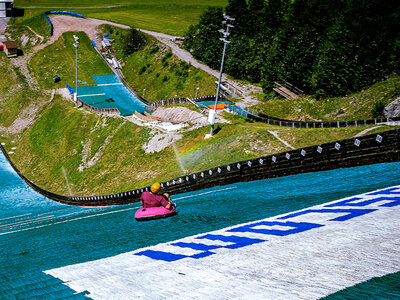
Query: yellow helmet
[[155, 187]]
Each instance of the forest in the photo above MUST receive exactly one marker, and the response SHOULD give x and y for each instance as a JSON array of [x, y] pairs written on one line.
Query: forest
[[326, 48]]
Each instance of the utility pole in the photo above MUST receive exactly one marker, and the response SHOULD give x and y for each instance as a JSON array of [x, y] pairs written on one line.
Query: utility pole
[[226, 33]]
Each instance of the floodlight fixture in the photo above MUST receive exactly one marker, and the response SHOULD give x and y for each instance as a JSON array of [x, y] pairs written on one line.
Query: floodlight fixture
[[228, 18]]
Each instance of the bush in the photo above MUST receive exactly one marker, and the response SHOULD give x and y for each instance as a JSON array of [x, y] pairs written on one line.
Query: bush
[[377, 110], [154, 50], [132, 41], [167, 55], [142, 70]]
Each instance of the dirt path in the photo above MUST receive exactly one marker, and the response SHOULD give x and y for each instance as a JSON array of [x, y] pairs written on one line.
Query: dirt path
[[35, 33], [275, 134], [26, 117], [365, 131]]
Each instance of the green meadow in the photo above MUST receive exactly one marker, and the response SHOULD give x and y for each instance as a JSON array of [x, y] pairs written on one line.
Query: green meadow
[[167, 16]]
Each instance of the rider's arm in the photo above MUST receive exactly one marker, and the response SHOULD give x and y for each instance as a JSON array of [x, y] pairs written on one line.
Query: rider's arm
[[167, 198]]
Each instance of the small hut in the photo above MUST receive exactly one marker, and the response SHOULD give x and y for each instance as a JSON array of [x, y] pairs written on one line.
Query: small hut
[[11, 48]]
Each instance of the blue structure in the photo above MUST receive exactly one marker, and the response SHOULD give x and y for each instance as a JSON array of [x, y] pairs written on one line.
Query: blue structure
[[110, 92]]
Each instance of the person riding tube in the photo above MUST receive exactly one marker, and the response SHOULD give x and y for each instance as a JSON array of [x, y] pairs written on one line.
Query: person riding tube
[[153, 199]]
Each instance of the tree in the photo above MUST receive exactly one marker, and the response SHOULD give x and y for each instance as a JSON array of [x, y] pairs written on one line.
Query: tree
[[328, 47], [202, 39], [132, 41]]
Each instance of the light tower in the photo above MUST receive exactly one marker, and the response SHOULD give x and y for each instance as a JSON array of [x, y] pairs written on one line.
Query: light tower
[[76, 74], [226, 33]]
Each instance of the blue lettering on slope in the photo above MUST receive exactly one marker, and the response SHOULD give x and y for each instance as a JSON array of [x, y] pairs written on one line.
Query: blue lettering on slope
[[394, 201], [349, 213], [236, 242], [389, 191], [295, 228]]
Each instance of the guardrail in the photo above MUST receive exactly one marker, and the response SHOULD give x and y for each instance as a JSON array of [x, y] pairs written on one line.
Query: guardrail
[[259, 117], [183, 100], [370, 149]]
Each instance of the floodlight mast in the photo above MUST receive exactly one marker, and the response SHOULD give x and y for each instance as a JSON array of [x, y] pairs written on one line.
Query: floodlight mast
[[225, 40], [76, 73]]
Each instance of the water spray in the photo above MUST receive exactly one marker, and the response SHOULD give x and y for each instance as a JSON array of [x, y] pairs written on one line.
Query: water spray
[[177, 155], [66, 180]]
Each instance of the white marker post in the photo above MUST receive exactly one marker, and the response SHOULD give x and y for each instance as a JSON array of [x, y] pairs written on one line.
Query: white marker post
[[211, 121]]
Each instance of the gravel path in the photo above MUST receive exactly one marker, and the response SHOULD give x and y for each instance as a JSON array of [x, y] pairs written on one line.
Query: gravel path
[[365, 131]]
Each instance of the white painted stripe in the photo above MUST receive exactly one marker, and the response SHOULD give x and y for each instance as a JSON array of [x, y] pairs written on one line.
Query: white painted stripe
[[91, 95], [25, 222], [19, 216], [205, 193], [306, 265], [67, 221], [105, 84]]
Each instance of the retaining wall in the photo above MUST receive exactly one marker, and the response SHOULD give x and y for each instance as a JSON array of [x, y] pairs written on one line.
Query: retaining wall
[[370, 149], [109, 111], [171, 101], [180, 100]]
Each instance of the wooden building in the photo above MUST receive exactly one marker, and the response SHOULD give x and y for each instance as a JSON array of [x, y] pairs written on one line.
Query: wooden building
[[11, 48]]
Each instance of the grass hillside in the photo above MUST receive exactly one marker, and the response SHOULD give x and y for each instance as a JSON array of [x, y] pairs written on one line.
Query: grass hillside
[[15, 94], [357, 106], [167, 16], [99, 154], [103, 154], [34, 20], [157, 70], [59, 59]]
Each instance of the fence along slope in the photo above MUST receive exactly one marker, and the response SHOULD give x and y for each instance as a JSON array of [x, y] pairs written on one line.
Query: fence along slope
[[369, 149]]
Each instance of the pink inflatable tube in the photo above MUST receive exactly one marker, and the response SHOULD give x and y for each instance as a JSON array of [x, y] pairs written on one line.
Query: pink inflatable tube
[[151, 213]]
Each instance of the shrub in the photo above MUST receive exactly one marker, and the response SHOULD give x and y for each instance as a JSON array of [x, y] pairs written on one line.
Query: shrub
[[132, 41], [377, 110], [142, 70], [154, 49]]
